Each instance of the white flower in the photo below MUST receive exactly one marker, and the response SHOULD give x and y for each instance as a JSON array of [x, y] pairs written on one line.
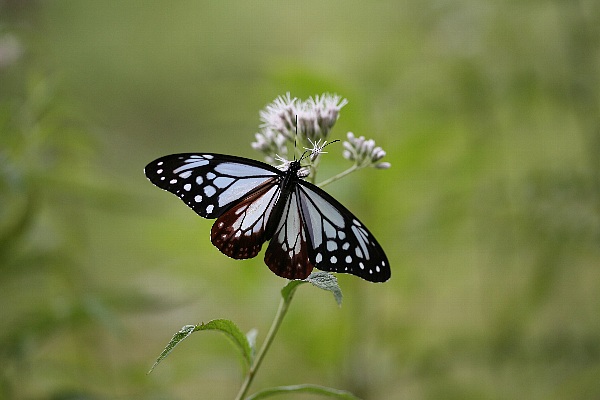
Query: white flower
[[285, 163], [316, 116], [288, 120], [270, 143], [363, 152], [280, 115], [317, 148]]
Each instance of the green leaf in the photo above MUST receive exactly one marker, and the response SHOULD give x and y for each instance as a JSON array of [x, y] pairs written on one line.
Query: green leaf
[[315, 389], [233, 332], [288, 290], [223, 325], [322, 280], [175, 340], [326, 281]]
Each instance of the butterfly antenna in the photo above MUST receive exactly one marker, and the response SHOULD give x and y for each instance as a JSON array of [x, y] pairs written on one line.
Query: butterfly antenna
[[296, 137], [327, 144], [303, 156]]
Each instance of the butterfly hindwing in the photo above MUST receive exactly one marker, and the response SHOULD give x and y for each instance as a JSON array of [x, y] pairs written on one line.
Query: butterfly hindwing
[[339, 241], [209, 183], [287, 253], [240, 231]]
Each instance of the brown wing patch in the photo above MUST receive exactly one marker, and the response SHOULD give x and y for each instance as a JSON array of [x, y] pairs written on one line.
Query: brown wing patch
[[287, 254], [240, 232]]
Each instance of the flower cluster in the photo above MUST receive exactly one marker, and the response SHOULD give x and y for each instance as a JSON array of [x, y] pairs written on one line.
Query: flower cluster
[[289, 121], [363, 152], [271, 143]]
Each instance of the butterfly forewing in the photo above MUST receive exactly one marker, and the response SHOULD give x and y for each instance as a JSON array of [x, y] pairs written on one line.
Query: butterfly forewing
[[209, 183], [339, 241]]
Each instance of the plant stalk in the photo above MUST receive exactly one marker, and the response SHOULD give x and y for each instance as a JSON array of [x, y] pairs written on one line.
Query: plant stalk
[[281, 311], [339, 176]]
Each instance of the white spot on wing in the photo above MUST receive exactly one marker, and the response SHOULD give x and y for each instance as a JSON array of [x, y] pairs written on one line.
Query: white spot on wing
[[329, 230], [209, 190], [238, 189], [314, 221], [361, 240], [238, 170], [358, 252], [198, 198], [222, 182], [258, 209], [190, 164], [326, 208], [293, 220]]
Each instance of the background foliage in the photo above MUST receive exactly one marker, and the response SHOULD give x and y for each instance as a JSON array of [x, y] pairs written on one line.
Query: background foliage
[[490, 215]]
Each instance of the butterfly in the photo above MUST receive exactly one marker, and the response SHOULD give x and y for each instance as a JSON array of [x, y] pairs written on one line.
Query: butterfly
[[254, 202]]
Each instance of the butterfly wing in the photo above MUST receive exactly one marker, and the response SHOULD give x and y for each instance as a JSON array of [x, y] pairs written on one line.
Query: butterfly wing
[[339, 242], [314, 229], [287, 254], [208, 183], [239, 192], [240, 231]]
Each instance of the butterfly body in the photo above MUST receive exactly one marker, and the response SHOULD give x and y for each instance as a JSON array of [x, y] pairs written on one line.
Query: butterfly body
[[287, 184], [255, 202]]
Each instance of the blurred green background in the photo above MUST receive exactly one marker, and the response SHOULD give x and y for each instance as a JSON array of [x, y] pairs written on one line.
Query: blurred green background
[[490, 214]]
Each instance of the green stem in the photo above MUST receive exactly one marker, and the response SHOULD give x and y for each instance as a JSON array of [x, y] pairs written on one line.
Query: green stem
[[281, 311], [339, 176]]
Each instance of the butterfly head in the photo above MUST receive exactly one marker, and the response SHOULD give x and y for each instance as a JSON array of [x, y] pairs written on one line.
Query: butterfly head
[[294, 167]]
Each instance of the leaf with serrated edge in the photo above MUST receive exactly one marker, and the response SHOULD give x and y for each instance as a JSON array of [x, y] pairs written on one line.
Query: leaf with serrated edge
[[183, 333], [223, 325], [233, 332], [326, 281], [315, 389]]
